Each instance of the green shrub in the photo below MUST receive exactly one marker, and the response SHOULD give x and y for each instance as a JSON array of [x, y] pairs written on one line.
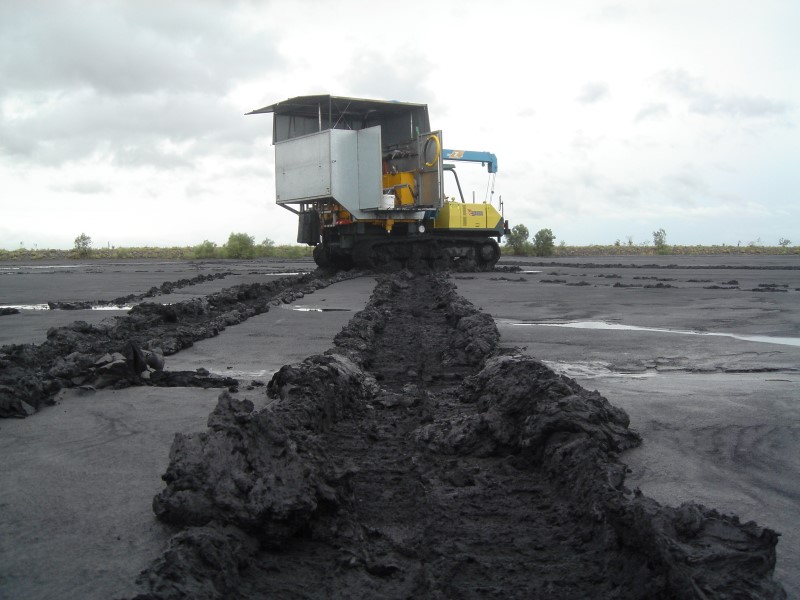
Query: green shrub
[[517, 240], [205, 250], [83, 246], [660, 241], [265, 248], [240, 245], [543, 242]]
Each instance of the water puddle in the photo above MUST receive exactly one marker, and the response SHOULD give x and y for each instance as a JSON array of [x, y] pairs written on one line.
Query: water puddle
[[593, 370], [238, 374], [47, 307], [301, 308], [55, 266], [765, 339], [26, 306], [530, 272], [40, 267]]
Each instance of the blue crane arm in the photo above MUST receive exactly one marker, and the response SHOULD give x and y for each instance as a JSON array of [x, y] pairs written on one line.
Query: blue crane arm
[[485, 158]]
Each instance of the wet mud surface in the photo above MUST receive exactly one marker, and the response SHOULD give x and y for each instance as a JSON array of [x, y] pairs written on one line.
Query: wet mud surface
[[166, 288], [418, 459], [708, 377], [130, 349]]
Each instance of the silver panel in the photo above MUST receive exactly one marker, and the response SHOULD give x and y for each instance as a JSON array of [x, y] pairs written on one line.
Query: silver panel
[[344, 167], [340, 164], [431, 186], [303, 168], [370, 182]]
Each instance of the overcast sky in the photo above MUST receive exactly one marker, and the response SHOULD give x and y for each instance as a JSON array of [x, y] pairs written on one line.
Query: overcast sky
[[125, 120]]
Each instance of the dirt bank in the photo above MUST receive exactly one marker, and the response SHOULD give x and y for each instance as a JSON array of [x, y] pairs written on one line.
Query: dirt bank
[[414, 459]]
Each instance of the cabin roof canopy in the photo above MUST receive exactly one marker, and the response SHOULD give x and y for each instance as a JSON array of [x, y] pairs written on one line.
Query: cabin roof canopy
[[303, 115]]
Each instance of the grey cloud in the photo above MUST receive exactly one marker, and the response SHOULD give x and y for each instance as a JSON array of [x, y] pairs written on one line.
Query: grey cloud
[[631, 195], [589, 179], [688, 180], [593, 92], [654, 110], [143, 155], [612, 12], [582, 142], [703, 101], [132, 133], [123, 48], [746, 106], [197, 190], [86, 187], [263, 169], [373, 76], [685, 188], [573, 189], [122, 79], [14, 144]]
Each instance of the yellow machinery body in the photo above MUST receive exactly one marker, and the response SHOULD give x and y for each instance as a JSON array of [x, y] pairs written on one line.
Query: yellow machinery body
[[460, 215], [402, 185], [366, 180]]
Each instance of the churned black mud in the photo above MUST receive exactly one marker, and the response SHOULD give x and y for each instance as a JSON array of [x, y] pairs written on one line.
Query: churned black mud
[[130, 350], [416, 460]]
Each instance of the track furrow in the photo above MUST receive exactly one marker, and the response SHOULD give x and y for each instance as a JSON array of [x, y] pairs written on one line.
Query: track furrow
[[415, 461]]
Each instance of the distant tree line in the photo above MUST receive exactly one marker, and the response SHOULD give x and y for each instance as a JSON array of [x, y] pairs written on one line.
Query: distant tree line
[[244, 246], [543, 242], [239, 246]]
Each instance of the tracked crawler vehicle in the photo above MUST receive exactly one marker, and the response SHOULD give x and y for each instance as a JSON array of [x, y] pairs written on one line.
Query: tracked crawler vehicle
[[366, 179]]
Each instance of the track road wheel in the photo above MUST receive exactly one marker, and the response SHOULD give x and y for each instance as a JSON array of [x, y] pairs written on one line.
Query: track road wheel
[[343, 262], [321, 257], [363, 255], [488, 254]]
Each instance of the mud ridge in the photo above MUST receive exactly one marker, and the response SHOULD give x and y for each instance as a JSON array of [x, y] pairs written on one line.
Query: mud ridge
[[416, 459], [130, 349], [164, 289], [651, 266]]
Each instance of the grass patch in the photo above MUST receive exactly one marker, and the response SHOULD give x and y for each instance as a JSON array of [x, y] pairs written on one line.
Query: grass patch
[[665, 250], [152, 253], [213, 252]]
